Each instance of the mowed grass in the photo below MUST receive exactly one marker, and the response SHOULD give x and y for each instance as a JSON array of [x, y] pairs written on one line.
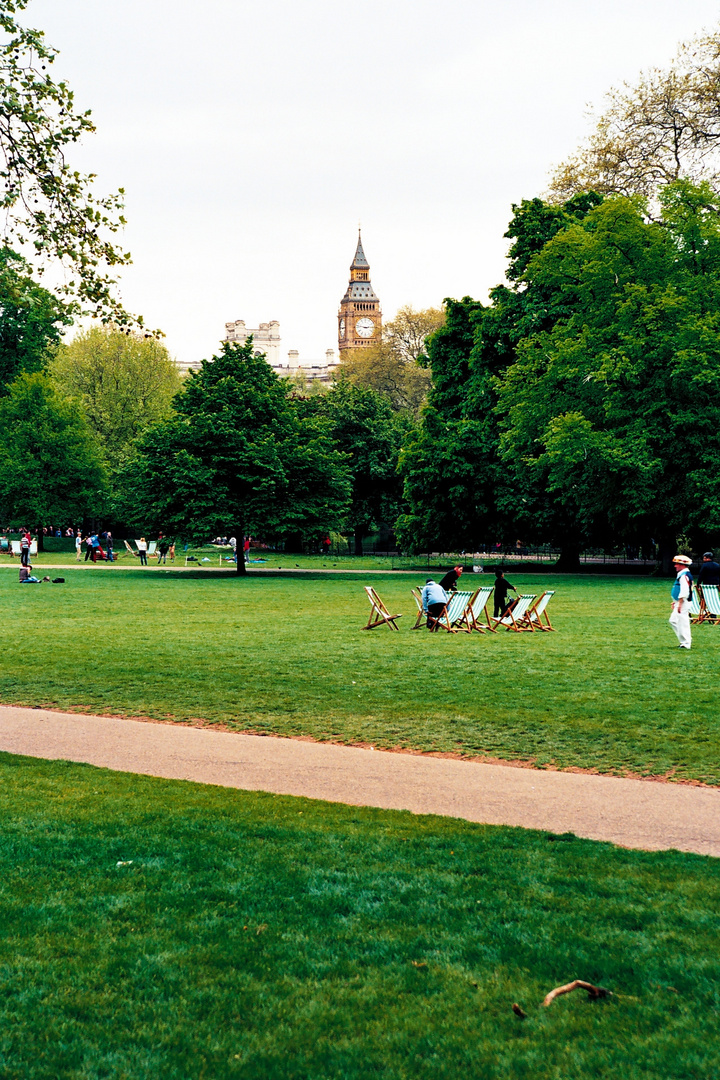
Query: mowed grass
[[153, 928], [285, 654]]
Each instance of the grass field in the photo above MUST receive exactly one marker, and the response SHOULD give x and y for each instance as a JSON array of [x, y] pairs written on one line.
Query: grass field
[[285, 654], [154, 928]]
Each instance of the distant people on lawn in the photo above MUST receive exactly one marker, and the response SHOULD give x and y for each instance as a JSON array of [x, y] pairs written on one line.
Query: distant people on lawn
[[142, 550], [78, 546], [709, 571], [246, 549], [500, 600], [450, 580], [434, 599], [171, 552], [26, 578], [163, 546], [681, 599]]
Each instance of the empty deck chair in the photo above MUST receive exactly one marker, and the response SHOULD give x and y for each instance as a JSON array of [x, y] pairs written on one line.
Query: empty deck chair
[[456, 607], [379, 614], [417, 597], [129, 549], [476, 608], [532, 620], [711, 598], [512, 619]]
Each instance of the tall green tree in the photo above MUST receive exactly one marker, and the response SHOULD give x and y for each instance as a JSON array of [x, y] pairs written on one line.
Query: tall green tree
[[125, 380], [611, 420], [50, 469], [236, 458], [31, 320], [363, 425]]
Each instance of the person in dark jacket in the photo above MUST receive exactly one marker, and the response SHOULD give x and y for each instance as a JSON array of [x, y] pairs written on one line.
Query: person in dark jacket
[[709, 571], [500, 600], [450, 580]]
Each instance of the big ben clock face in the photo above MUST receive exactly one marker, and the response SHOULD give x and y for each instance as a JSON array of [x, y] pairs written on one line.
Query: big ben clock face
[[342, 328], [365, 327]]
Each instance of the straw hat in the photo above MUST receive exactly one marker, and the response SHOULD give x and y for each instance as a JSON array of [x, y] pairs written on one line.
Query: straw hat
[[683, 560]]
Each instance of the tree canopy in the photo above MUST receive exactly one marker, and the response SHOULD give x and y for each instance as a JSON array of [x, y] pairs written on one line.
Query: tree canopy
[[50, 469], [31, 320], [126, 382], [236, 458], [50, 210]]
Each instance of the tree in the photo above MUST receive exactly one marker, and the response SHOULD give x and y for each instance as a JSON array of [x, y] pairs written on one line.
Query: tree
[[50, 469], [237, 457], [396, 365], [31, 320], [610, 417], [664, 128], [362, 425], [126, 382], [49, 209]]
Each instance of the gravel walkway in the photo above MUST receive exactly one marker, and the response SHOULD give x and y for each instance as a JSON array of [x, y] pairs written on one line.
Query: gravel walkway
[[633, 813]]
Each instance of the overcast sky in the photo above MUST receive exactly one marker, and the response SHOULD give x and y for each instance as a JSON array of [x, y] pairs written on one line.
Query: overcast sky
[[251, 137]]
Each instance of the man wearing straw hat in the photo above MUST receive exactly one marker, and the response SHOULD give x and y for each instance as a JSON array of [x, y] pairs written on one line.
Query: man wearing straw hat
[[681, 598]]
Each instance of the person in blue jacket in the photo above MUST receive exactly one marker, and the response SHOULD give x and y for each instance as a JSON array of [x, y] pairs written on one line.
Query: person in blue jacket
[[434, 599]]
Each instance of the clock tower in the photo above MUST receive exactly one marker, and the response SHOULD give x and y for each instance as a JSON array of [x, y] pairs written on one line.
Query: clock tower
[[360, 316]]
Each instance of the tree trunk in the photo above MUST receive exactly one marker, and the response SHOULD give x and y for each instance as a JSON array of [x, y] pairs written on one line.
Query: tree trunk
[[240, 567], [569, 557], [359, 533], [40, 539], [667, 550]]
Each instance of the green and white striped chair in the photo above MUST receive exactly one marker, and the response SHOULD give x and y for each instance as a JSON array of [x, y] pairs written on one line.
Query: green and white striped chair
[[532, 620], [711, 598], [477, 608], [513, 619], [698, 612]]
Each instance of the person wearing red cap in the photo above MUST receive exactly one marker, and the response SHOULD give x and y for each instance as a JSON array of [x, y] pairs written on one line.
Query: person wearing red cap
[[681, 599]]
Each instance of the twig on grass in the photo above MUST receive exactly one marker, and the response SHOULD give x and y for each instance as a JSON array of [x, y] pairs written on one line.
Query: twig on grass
[[519, 1012], [594, 992]]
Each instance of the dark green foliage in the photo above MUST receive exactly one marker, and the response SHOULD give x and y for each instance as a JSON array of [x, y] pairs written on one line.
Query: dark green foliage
[[237, 458], [363, 425], [270, 938], [31, 320], [50, 468]]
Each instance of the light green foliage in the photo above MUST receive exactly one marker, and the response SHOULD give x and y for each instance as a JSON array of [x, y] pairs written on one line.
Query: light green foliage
[[268, 938], [50, 469], [49, 208], [126, 382], [237, 459], [286, 655]]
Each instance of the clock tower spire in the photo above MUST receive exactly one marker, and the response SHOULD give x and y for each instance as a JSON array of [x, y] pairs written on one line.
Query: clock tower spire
[[360, 315]]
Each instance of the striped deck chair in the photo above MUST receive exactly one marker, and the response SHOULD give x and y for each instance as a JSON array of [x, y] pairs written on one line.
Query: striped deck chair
[[379, 614], [698, 611], [476, 608], [456, 608], [711, 598], [417, 597], [129, 549], [512, 619], [532, 620]]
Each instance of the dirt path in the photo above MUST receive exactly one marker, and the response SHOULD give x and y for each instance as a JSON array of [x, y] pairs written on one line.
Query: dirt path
[[634, 813]]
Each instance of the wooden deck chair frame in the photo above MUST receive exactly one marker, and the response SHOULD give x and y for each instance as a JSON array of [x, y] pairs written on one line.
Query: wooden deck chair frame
[[516, 613], [420, 621], [698, 609], [476, 608], [129, 549], [379, 614], [532, 619]]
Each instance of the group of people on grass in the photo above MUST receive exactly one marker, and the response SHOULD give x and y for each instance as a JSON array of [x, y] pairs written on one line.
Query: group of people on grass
[[436, 595]]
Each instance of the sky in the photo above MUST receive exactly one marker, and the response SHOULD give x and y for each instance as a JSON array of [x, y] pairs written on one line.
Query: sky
[[252, 137]]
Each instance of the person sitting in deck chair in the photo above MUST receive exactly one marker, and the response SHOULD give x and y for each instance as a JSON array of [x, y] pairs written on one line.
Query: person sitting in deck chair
[[500, 600], [434, 600]]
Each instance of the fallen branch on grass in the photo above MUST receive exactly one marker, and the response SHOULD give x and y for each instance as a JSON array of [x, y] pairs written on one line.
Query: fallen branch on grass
[[594, 992]]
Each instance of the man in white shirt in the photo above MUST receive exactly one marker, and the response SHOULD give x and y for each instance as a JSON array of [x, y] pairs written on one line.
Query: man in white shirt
[[681, 597]]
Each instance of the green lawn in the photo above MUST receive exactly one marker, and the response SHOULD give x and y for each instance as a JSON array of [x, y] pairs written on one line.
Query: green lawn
[[163, 929], [285, 653]]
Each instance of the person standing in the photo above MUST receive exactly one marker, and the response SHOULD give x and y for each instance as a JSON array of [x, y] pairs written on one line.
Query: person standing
[[78, 546], [500, 600], [681, 599], [163, 546], [25, 542], [142, 550]]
